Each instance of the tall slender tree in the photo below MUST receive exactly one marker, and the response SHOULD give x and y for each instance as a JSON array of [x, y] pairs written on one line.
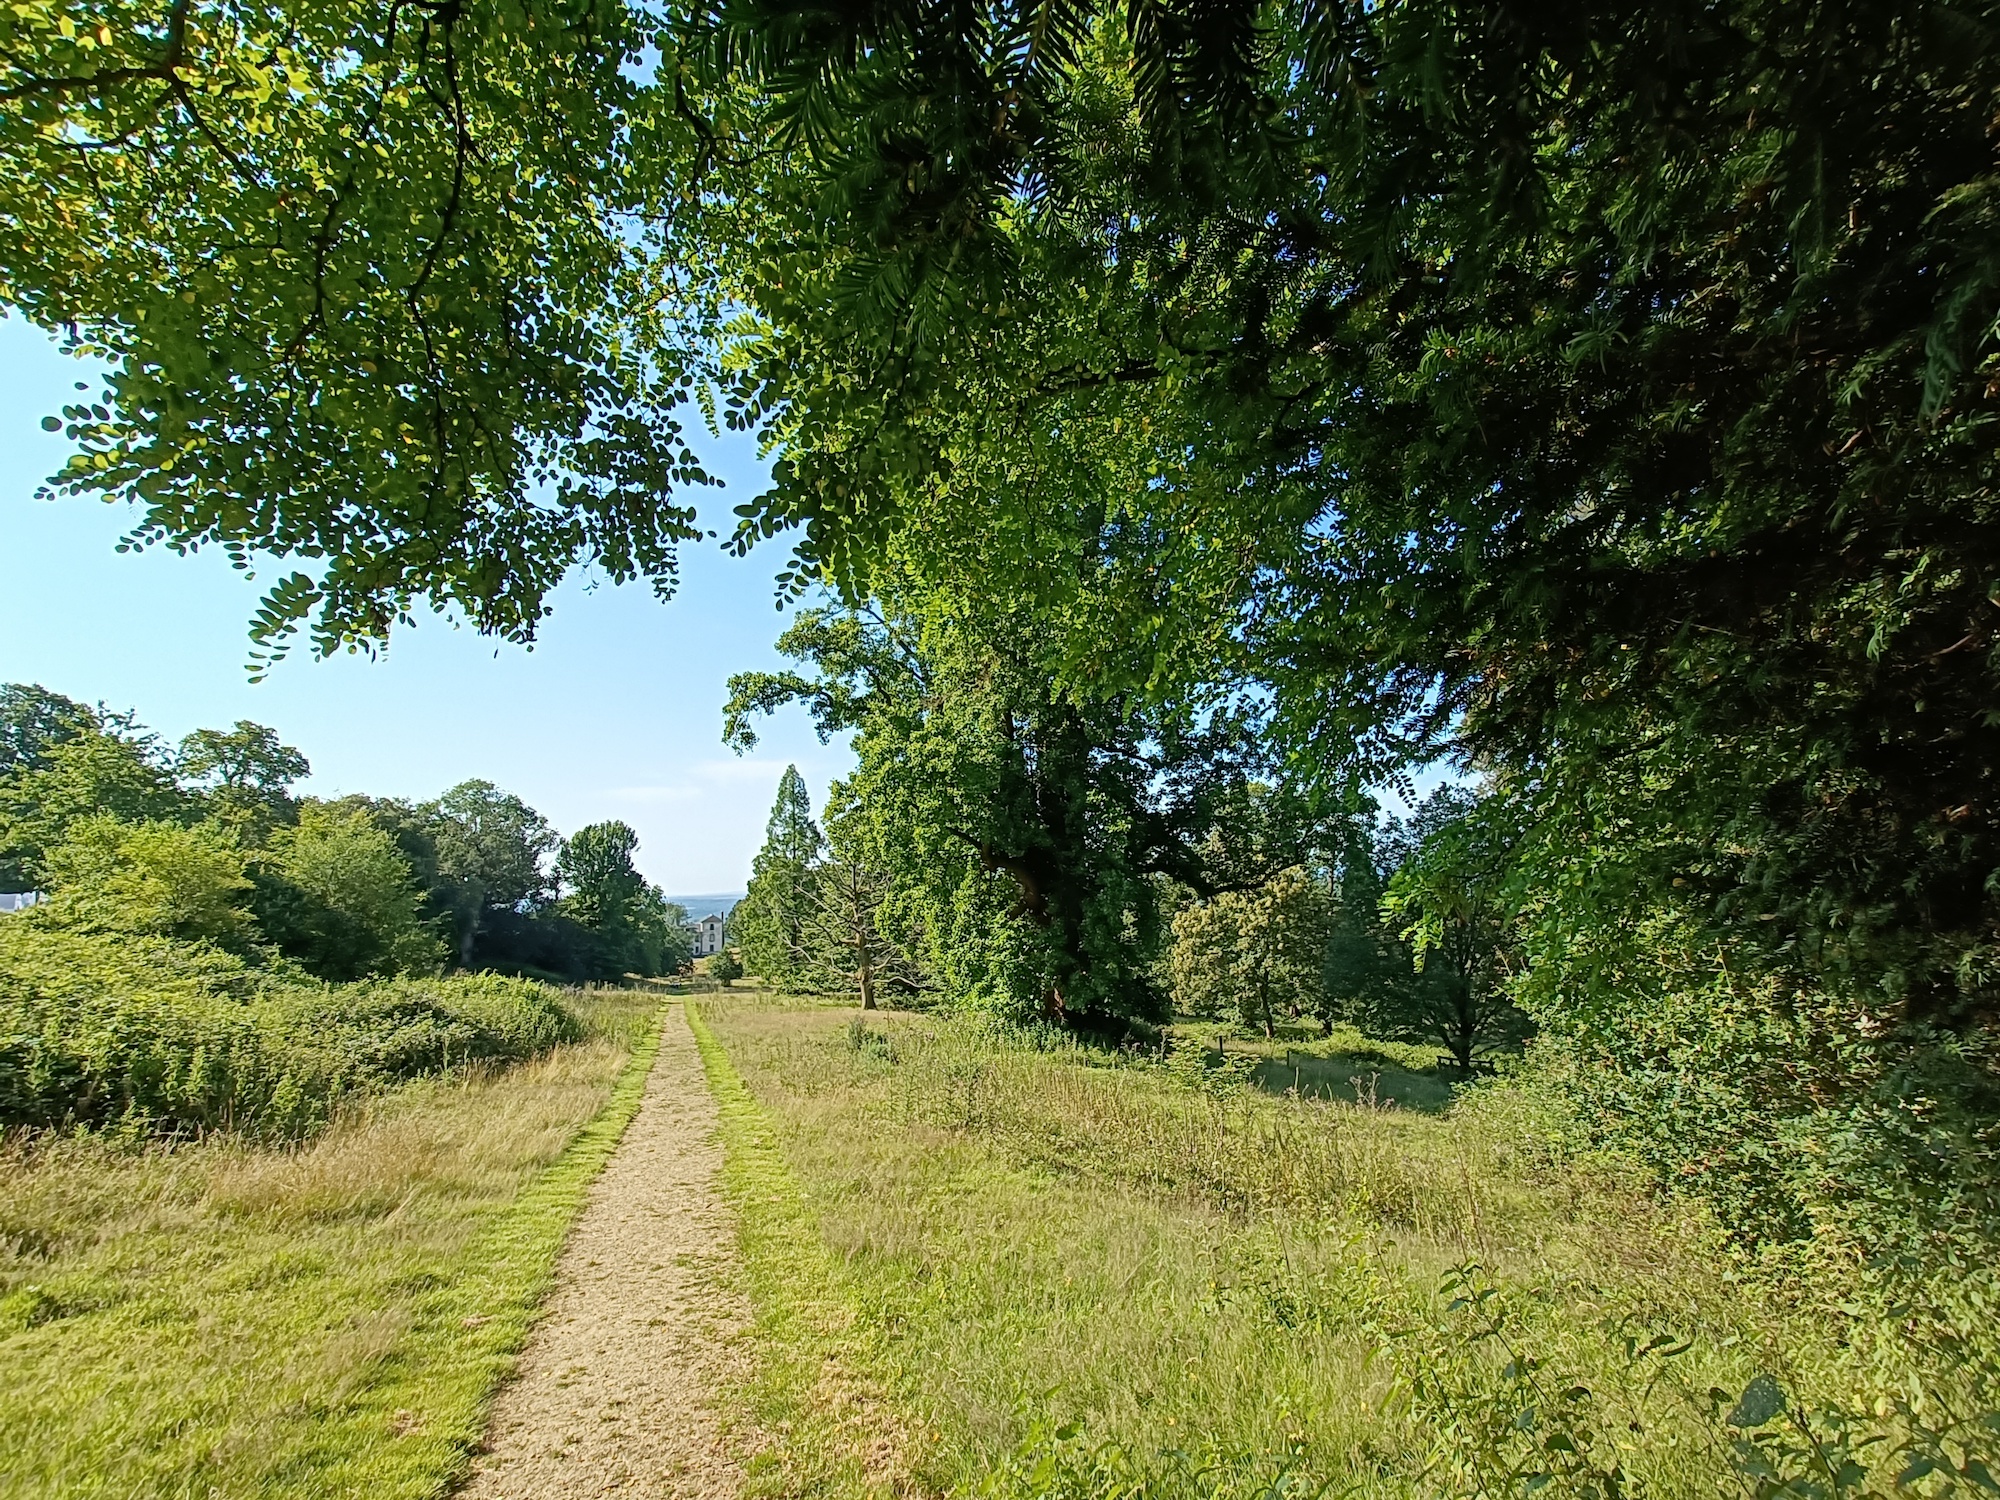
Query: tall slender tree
[[769, 924]]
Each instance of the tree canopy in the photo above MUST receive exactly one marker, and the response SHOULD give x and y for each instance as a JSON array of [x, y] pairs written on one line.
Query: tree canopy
[[1025, 832], [1576, 388]]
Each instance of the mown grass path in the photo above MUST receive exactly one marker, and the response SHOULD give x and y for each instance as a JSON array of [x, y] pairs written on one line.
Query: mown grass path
[[616, 1386]]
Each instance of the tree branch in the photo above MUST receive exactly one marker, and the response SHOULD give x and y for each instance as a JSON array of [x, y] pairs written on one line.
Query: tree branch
[[107, 77]]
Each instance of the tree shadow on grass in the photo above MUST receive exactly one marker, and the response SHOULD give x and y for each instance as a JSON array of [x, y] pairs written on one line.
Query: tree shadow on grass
[[1362, 1076]]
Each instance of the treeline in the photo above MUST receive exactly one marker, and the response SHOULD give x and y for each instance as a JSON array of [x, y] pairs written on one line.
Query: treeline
[[206, 843], [1003, 848]]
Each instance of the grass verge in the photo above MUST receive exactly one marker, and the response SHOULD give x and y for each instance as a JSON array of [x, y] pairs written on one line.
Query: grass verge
[[818, 1424], [220, 1320]]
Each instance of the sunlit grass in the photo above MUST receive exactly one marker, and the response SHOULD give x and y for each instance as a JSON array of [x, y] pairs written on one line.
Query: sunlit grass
[[1068, 1274], [219, 1319]]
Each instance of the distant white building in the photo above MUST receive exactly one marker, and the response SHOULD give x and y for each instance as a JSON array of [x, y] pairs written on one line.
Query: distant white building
[[709, 934], [20, 900]]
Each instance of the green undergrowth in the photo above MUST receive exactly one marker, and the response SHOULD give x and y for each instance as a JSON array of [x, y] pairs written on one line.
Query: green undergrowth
[[145, 1035], [1081, 1275], [224, 1319], [1337, 1063]]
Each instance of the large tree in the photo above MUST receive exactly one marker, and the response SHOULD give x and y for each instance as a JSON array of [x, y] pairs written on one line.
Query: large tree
[[362, 280], [631, 928], [33, 720], [335, 892], [1023, 832], [1552, 383], [246, 774], [493, 849], [115, 770]]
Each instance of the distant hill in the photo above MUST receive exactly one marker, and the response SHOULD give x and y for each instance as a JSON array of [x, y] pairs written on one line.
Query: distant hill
[[701, 906]]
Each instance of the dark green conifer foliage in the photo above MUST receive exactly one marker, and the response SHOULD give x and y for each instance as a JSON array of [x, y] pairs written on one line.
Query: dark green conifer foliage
[[768, 926]]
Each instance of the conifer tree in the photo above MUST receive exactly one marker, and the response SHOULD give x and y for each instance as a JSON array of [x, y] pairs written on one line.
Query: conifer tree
[[769, 923]]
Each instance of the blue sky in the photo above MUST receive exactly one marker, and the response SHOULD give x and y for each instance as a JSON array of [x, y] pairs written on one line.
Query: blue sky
[[616, 712]]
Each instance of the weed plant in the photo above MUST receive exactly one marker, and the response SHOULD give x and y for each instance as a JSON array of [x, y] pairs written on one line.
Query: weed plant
[[1087, 1275]]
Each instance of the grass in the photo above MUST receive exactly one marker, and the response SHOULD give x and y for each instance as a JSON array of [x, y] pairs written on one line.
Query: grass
[[1059, 1274], [217, 1319], [816, 1422], [1343, 1065]]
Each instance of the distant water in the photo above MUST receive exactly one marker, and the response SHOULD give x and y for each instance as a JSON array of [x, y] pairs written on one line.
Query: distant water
[[701, 906]]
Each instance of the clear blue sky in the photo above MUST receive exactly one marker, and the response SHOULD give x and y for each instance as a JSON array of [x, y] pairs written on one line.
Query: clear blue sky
[[616, 712]]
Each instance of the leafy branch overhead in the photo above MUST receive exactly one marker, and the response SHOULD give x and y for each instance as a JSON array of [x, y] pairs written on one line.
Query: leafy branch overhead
[[364, 285]]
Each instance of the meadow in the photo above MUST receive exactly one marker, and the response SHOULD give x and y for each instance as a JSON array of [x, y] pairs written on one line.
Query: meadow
[[986, 1263], [227, 1316]]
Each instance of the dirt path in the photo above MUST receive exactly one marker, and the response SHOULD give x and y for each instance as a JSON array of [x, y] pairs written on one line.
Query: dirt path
[[614, 1385]]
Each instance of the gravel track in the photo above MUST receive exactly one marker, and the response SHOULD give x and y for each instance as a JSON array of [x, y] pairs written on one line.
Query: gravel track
[[613, 1395]]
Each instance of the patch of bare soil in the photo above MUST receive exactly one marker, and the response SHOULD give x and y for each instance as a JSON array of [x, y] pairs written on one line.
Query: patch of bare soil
[[614, 1394]]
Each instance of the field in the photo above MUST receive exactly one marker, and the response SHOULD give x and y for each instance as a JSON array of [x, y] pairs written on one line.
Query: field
[[985, 1268], [219, 1318], [978, 1263]]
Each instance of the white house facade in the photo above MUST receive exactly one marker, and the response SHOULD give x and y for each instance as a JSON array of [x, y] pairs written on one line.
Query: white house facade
[[710, 934]]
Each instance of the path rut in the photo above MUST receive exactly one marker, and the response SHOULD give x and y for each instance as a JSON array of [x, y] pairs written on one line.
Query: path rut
[[615, 1387]]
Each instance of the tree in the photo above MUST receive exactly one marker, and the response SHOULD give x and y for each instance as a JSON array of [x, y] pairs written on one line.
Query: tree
[[1201, 962], [633, 929], [1368, 966], [114, 772], [1258, 953], [1021, 830], [1450, 896], [1611, 381], [1601, 395], [336, 893], [490, 849], [157, 878], [246, 775], [846, 934], [33, 720], [666, 946], [768, 924], [725, 966], [594, 865], [378, 279]]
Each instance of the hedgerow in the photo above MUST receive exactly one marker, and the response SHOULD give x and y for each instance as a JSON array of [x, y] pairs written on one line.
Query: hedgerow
[[160, 1037]]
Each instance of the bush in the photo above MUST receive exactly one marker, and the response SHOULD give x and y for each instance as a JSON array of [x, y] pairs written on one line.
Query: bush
[[336, 893], [164, 1037], [157, 878]]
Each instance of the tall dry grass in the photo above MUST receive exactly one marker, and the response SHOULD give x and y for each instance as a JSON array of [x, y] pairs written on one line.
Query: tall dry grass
[[223, 1319], [1087, 1277]]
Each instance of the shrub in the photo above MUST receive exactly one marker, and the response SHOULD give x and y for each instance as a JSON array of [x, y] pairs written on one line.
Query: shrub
[[163, 1037], [163, 879]]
